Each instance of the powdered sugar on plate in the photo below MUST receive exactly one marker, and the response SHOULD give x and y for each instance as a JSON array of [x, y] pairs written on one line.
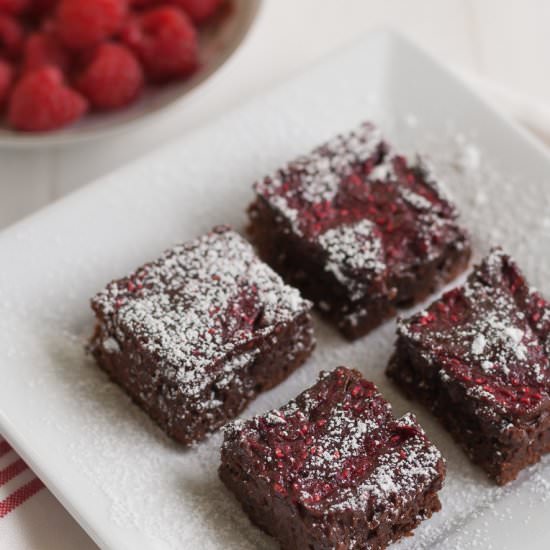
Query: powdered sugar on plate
[[152, 485], [115, 470]]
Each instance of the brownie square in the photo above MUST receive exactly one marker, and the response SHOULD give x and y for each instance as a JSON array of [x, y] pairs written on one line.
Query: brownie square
[[479, 359], [194, 336], [333, 468], [359, 229]]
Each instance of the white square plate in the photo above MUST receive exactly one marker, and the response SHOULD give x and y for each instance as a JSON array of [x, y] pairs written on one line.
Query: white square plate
[[122, 479]]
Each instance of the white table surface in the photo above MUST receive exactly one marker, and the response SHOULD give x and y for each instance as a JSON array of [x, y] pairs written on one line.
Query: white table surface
[[506, 42]]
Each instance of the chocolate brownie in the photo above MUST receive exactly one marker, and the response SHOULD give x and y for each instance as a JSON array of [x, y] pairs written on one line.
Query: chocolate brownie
[[479, 358], [195, 335], [359, 229], [333, 469]]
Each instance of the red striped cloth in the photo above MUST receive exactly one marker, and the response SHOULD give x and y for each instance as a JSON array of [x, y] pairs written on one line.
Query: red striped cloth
[[17, 482], [29, 516]]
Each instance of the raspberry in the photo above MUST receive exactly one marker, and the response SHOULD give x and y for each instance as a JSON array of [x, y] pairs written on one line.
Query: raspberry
[[198, 10], [41, 101], [113, 78], [43, 49], [11, 37], [165, 41], [6, 80], [139, 4], [42, 7], [83, 24], [14, 7]]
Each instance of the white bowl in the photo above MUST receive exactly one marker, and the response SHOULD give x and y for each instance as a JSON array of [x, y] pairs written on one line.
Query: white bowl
[[217, 44]]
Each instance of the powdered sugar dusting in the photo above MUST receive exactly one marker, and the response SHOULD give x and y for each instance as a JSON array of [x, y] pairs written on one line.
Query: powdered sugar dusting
[[478, 345], [488, 336], [197, 305], [337, 449], [396, 476], [351, 249], [368, 212], [321, 172]]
